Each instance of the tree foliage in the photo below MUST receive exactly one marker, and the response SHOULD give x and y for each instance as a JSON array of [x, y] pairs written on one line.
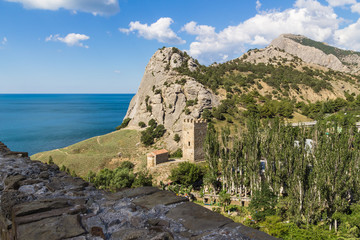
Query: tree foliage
[[186, 173]]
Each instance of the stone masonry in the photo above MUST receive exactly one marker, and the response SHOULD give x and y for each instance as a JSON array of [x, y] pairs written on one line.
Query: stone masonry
[[39, 202], [193, 137], [156, 157]]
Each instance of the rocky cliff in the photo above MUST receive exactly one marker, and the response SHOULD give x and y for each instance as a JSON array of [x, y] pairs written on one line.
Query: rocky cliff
[[39, 202], [319, 53], [164, 94]]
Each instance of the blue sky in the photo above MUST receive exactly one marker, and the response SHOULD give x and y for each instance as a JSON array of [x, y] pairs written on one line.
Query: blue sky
[[103, 46]]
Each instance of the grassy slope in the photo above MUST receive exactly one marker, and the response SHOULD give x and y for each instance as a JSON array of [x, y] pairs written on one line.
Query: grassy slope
[[98, 152]]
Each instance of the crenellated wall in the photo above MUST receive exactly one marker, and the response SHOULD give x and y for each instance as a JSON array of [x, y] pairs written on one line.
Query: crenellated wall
[[39, 202]]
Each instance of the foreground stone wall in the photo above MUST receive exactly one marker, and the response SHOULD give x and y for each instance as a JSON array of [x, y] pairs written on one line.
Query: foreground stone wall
[[40, 202]]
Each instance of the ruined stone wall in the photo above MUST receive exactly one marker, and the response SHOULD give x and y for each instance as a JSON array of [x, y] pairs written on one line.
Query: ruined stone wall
[[194, 132], [39, 202]]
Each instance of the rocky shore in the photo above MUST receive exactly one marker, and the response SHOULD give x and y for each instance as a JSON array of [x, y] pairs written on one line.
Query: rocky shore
[[40, 202]]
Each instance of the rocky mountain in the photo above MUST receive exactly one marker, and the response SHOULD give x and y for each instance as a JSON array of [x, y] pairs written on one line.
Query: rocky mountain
[[319, 53], [167, 96]]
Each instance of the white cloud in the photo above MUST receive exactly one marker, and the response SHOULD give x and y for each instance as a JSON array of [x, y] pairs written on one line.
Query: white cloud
[[349, 37], [96, 7], [72, 39], [117, 71], [338, 3], [355, 8], [258, 5], [307, 17], [4, 41], [160, 30]]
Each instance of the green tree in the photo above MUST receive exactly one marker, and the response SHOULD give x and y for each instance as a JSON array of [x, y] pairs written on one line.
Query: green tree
[[263, 203], [225, 199], [186, 174]]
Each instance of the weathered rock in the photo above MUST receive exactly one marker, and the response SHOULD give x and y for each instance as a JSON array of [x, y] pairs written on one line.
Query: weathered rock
[[39, 206], [13, 182], [197, 218], [162, 197], [11, 198], [129, 234], [313, 55], [51, 228], [162, 91], [133, 192]]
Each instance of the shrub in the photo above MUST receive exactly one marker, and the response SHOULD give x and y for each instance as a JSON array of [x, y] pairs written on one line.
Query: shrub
[[181, 82], [152, 123], [51, 161], [186, 174], [153, 131], [159, 131], [142, 124], [142, 179], [127, 164], [177, 154], [124, 124], [147, 138], [206, 114], [190, 103], [148, 108], [177, 138]]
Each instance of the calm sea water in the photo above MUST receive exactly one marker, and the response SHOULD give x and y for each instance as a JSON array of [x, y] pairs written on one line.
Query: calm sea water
[[40, 122]]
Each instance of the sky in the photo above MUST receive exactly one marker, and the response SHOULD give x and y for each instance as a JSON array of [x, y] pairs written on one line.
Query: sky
[[103, 46]]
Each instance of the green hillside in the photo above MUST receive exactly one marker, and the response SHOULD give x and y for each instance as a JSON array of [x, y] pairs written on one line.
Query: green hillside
[[98, 152]]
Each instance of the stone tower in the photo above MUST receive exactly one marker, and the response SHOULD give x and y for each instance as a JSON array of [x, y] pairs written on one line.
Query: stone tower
[[193, 137]]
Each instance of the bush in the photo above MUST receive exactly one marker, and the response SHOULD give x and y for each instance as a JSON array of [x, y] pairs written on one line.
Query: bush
[[148, 108], [51, 161], [177, 154], [121, 177], [206, 115], [142, 124], [177, 138], [127, 164], [186, 174], [124, 124], [153, 131], [152, 123], [142, 179], [147, 138], [159, 131]]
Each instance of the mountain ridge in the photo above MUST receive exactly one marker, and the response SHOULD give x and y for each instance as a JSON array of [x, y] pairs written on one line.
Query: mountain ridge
[[319, 53]]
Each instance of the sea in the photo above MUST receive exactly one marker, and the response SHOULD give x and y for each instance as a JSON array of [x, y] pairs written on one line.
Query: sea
[[40, 122]]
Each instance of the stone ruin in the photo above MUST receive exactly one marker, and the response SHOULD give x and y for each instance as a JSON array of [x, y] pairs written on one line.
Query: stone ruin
[[193, 137], [40, 202]]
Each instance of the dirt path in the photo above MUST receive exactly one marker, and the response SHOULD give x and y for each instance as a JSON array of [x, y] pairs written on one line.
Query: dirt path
[[61, 151]]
